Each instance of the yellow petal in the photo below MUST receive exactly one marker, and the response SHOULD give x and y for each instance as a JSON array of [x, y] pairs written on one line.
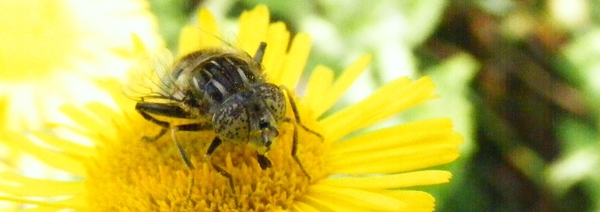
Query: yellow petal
[[103, 111], [360, 199], [324, 202], [51, 158], [211, 35], [253, 28], [189, 40], [138, 45], [319, 81], [303, 207], [38, 187], [388, 100], [66, 146], [75, 203], [83, 118], [278, 38], [418, 133], [333, 94], [47, 205], [394, 160], [194, 38], [415, 200], [122, 102], [78, 202], [417, 178], [295, 60]]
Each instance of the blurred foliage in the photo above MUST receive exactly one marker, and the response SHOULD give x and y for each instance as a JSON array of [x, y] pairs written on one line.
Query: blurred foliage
[[520, 79]]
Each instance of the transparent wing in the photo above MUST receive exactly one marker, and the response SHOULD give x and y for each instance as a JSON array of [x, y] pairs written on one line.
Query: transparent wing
[[150, 78]]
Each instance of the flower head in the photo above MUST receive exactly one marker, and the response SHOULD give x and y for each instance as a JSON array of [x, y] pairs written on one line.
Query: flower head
[[368, 172]]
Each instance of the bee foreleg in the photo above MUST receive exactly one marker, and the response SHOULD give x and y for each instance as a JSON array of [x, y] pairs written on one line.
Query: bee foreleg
[[263, 161], [297, 120], [297, 123], [295, 150]]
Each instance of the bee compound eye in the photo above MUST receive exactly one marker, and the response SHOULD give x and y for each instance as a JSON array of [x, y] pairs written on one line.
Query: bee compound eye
[[274, 100], [231, 122]]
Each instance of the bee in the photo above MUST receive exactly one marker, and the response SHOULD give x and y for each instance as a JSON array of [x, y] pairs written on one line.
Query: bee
[[224, 90]]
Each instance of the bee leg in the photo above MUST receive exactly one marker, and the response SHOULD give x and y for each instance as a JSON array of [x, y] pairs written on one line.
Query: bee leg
[[295, 150], [297, 115], [165, 126], [207, 157], [260, 52], [297, 122], [263, 161], [170, 110], [184, 157], [186, 127], [188, 164]]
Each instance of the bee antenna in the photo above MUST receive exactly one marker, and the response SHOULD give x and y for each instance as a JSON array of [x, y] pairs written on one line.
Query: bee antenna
[[260, 52]]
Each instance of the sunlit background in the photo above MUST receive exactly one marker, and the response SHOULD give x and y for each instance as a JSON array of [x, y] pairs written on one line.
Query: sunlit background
[[520, 79]]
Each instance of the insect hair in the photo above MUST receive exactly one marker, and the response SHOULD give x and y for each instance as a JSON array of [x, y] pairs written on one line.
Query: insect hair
[[150, 78]]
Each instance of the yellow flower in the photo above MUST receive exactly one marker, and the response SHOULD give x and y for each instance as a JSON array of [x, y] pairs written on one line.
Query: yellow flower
[[369, 172], [50, 48]]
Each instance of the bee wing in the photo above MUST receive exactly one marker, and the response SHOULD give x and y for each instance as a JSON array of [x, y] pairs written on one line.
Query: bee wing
[[150, 78]]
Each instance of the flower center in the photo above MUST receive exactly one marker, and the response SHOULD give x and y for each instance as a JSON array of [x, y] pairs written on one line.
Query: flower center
[[150, 176]]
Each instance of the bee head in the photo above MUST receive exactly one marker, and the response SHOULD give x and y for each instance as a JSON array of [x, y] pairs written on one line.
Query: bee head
[[251, 117]]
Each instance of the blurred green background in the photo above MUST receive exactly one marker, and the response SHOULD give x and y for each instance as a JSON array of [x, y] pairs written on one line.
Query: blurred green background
[[520, 79]]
